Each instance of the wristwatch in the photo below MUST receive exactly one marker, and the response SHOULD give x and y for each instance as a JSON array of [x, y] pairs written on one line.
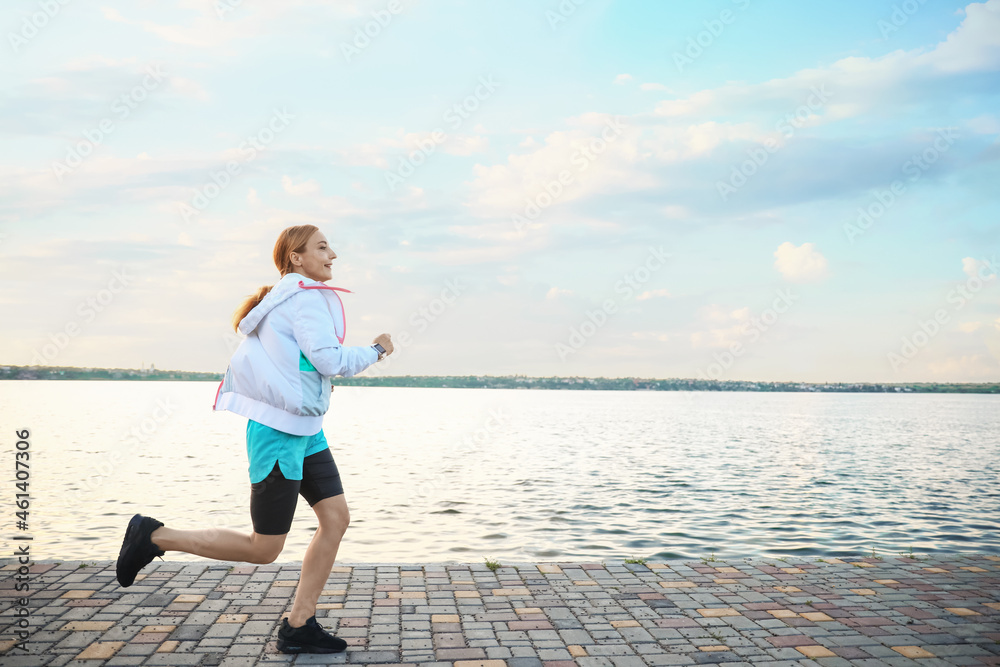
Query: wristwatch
[[380, 350]]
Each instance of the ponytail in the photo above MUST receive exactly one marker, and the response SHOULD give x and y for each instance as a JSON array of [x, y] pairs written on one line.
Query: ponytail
[[291, 239], [249, 304]]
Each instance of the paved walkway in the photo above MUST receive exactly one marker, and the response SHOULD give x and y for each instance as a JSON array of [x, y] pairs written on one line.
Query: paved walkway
[[891, 611]]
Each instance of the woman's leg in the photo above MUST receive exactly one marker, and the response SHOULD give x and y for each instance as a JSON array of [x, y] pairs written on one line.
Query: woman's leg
[[221, 544], [272, 506], [317, 563]]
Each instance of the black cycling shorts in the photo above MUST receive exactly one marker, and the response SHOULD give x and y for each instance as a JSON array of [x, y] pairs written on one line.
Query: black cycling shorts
[[273, 499]]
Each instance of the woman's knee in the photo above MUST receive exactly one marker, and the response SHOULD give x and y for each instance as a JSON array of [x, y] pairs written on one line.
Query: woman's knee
[[266, 548], [333, 514]]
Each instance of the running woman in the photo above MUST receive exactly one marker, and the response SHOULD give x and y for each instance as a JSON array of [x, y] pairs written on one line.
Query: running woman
[[279, 379]]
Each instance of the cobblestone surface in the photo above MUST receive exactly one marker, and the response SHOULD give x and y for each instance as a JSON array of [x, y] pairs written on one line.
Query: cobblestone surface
[[890, 611]]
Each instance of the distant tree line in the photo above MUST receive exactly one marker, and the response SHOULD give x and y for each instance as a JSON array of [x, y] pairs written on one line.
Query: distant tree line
[[511, 381]]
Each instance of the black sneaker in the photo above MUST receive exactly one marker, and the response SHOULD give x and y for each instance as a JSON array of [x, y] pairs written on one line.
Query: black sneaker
[[309, 638], [137, 548]]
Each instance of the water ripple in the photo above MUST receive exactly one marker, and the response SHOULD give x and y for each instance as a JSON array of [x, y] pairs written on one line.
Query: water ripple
[[569, 475]]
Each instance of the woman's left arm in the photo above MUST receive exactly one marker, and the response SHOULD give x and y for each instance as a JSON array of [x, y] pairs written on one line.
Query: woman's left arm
[[313, 328]]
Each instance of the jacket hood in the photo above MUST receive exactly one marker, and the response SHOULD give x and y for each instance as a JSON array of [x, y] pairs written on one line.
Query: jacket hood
[[283, 290]]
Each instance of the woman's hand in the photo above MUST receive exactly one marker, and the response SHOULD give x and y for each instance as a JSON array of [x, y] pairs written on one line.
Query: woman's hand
[[385, 342]]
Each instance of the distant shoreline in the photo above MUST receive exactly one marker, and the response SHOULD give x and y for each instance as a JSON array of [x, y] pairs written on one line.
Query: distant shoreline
[[514, 382]]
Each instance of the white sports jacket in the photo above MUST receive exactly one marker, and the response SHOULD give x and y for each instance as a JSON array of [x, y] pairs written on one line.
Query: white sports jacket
[[279, 374]]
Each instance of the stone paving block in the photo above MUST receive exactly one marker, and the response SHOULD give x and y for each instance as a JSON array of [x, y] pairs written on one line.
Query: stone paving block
[[100, 650], [620, 616]]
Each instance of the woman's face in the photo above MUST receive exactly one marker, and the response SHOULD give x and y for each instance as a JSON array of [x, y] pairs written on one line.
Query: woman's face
[[316, 261]]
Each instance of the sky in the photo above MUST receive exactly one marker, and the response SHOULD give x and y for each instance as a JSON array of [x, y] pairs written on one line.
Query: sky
[[732, 190]]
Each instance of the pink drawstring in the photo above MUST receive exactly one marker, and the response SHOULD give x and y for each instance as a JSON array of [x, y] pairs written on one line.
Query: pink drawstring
[[343, 314]]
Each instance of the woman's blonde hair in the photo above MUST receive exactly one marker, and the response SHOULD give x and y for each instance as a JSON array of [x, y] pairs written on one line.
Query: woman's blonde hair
[[291, 239]]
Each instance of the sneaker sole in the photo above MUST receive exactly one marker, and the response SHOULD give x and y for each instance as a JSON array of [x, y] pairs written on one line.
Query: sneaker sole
[[304, 648], [133, 525], [131, 532]]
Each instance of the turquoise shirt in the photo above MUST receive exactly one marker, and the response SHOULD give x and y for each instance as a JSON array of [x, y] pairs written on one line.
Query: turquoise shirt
[[265, 446]]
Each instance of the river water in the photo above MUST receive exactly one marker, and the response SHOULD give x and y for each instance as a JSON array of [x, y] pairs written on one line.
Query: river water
[[458, 475]]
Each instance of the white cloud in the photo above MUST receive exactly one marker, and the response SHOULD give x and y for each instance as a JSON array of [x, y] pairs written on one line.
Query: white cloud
[[977, 268], [188, 88], [309, 187], [800, 264], [654, 86], [972, 367], [856, 85], [622, 79], [724, 327], [206, 29], [465, 145], [503, 189], [413, 198], [969, 327], [652, 294], [386, 151], [985, 124], [651, 335], [673, 212], [975, 44], [555, 293]]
